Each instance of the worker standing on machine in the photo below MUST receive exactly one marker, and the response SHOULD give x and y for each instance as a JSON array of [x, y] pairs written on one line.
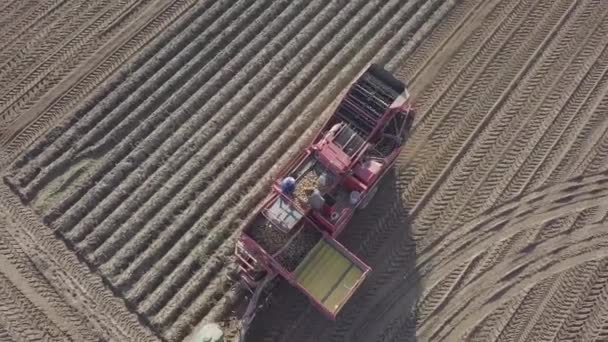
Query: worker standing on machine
[[288, 185]]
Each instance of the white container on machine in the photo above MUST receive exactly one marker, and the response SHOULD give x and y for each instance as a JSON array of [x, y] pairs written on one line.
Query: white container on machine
[[355, 196]]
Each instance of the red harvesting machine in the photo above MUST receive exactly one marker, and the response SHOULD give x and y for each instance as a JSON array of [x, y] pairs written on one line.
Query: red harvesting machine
[[294, 232]]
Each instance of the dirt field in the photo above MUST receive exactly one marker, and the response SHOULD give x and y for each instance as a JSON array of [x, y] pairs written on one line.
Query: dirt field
[[138, 135]]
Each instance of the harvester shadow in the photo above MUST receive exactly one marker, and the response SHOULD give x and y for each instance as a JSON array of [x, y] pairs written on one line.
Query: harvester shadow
[[383, 308]]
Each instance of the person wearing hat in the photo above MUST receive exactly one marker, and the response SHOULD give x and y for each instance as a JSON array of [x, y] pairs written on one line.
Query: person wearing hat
[[288, 185]]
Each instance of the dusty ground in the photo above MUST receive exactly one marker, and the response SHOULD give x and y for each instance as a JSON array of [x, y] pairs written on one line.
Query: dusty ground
[[166, 118]]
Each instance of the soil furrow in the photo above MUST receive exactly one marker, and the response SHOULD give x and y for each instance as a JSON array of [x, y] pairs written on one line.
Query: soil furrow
[[275, 128], [213, 239], [22, 318], [430, 260], [135, 180], [465, 66], [21, 271], [141, 223], [68, 63], [196, 310], [462, 137], [578, 147], [532, 302], [63, 56], [48, 64], [149, 135], [526, 269], [88, 289], [233, 151], [571, 117], [493, 325], [36, 18], [91, 114], [46, 43], [544, 325], [43, 156], [165, 185], [519, 127], [580, 311], [73, 95]]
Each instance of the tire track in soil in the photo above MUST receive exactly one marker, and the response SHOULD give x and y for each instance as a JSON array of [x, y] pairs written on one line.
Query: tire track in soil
[[22, 318], [19, 46], [592, 215], [567, 287], [40, 156], [37, 48], [538, 207], [4, 334], [71, 91], [100, 243], [433, 174], [583, 318], [10, 10], [215, 239], [460, 199], [79, 46], [211, 192], [102, 115], [427, 6], [563, 293], [376, 315], [18, 64], [483, 43], [18, 32], [454, 27], [571, 223], [497, 320], [545, 326], [427, 260], [581, 147], [556, 254], [518, 322], [91, 295], [19, 269], [580, 111]]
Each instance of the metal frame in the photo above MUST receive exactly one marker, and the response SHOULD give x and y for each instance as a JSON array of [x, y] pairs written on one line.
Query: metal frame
[[323, 146]]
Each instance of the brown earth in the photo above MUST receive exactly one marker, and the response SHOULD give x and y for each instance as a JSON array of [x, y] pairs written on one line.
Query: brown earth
[[137, 135]]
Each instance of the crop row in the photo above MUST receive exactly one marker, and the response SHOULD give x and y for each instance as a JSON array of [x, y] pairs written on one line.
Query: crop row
[[162, 146]]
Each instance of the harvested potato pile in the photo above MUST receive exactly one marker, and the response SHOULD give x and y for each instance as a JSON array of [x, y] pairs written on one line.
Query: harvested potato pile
[[269, 237], [295, 252], [305, 187]]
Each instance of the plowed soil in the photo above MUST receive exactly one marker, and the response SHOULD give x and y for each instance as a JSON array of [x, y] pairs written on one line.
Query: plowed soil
[[137, 135]]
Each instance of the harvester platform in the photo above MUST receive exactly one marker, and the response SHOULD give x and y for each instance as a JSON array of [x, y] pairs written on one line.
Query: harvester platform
[[330, 274]]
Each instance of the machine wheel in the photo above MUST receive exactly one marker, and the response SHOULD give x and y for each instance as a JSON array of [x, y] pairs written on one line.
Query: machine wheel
[[380, 73], [368, 198]]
